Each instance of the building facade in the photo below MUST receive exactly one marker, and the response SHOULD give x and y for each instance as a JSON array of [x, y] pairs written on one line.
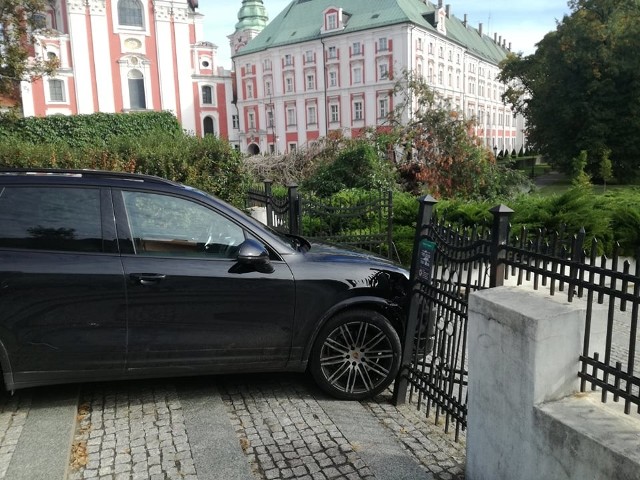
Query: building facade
[[325, 66], [131, 55]]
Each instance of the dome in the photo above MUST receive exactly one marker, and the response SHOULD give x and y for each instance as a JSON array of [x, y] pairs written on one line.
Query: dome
[[252, 16]]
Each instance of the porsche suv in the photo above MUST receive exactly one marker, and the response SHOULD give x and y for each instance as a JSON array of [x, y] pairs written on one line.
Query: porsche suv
[[108, 275]]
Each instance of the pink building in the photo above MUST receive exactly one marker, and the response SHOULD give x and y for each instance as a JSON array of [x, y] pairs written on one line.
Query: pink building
[[131, 55]]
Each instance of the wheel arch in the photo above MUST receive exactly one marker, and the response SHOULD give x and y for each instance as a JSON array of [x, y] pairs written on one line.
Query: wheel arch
[[390, 311], [5, 365]]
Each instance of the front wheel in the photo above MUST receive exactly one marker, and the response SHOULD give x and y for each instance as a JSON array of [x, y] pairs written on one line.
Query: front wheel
[[356, 355]]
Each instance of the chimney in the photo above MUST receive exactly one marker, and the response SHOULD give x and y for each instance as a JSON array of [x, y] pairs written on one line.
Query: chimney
[[480, 29], [504, 43], [440, 4], [500, 40], [464, 22], [509, 46], [448, 10], [495, 37]]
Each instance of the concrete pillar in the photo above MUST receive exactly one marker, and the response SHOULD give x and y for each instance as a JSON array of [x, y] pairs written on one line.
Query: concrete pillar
[[523, 350]]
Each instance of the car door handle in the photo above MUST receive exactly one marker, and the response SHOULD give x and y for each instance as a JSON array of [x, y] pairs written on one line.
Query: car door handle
[[147, 278]]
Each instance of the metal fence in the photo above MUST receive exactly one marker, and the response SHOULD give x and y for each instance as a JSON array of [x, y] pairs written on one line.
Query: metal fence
[[365, 222], [449, 263]]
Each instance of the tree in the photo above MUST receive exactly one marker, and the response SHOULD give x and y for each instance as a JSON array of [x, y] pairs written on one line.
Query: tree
[[580, 90], [606, 169], [20, 20], [440, 152]]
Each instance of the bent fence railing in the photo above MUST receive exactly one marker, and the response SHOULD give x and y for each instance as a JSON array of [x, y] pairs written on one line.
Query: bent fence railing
[[448, 263]]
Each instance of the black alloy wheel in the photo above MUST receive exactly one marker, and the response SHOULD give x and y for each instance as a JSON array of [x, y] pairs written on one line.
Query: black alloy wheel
[[356, 355]]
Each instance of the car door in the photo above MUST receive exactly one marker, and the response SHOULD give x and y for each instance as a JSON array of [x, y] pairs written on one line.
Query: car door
[[190, 305], [62, 295]]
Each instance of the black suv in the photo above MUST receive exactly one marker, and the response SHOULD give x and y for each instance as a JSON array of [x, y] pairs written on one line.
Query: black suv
[[108, 275]]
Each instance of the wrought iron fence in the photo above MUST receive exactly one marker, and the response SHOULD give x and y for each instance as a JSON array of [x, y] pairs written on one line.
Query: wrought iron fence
[[449, 263], [281, 212], [364, 222]]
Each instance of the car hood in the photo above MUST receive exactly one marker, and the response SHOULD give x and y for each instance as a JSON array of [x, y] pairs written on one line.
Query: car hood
[[330, 253]]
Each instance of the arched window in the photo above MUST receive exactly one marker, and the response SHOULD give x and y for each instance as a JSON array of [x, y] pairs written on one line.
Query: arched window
[[207, 98], [137, 99], [130, 13], [208, 126]]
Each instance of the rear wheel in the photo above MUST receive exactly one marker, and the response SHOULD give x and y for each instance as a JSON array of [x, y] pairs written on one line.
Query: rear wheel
[[356, 355]]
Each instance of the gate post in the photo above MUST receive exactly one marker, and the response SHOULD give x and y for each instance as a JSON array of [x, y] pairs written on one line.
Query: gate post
[[425, 214], [499, 236], [267, 194], [295, 219]]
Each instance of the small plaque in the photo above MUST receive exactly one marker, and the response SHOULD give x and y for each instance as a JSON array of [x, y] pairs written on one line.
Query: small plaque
[[426, 254]]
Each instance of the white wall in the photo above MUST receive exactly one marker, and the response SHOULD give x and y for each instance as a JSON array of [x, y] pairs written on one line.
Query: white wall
[[525, 417]]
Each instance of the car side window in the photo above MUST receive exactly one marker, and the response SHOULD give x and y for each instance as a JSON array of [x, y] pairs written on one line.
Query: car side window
[[51, 218], [167, 225]]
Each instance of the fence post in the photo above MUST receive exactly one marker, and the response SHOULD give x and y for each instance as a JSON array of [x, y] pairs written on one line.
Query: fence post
[[294, 210], [267, 194], [425, 214], [390, 225], [577, 260], [499, 236]]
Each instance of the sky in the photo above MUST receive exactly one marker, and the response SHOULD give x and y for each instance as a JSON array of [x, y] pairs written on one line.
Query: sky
[[521, 22]]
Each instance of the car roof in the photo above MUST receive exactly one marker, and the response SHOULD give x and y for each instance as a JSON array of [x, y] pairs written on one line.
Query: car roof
[[87, 173]]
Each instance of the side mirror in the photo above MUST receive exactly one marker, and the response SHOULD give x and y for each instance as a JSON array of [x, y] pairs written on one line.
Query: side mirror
[[253, 253]]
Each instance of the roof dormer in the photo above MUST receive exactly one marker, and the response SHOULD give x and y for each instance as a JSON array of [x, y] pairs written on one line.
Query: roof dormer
[[334, 19]]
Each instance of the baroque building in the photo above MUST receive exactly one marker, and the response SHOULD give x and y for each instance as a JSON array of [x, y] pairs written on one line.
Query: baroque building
[[325, 66], [131, 55]]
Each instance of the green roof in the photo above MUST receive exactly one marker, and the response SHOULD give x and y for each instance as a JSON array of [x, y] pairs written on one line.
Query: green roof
[[300, 21]]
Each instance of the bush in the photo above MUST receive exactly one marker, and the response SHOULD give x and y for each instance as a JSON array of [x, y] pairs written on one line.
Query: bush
[[610, 218], [208, 163], [97, 129], [357, 166]]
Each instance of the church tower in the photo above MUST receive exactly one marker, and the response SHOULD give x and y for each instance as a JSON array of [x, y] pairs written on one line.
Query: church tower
[[252, 18]]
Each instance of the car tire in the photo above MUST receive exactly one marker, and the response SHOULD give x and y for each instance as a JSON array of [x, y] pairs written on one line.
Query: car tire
[[356, 355]]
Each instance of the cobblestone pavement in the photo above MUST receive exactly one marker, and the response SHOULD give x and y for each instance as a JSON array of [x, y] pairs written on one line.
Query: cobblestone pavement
[[13, 413], [130, 430]]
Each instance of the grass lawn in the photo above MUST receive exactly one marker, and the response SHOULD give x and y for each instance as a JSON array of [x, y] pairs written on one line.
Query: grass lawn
[[554, 183]]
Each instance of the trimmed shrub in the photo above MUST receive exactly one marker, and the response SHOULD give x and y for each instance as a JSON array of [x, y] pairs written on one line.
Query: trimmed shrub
[[96, 129]]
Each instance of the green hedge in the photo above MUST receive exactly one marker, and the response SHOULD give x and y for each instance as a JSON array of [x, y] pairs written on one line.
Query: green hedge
[[83, 130], [208, 163], [611, 218]]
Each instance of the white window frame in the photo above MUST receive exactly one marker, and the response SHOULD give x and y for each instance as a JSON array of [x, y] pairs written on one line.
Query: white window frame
[[332, 21], [312, 115], [334, 112], [333, 78], [63, 90], [291, 116], [383, 107], [358, 110], [357, 74]]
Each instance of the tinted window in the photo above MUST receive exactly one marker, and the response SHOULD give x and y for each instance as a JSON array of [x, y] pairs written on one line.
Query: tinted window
[[166, 225], [50, 218]]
